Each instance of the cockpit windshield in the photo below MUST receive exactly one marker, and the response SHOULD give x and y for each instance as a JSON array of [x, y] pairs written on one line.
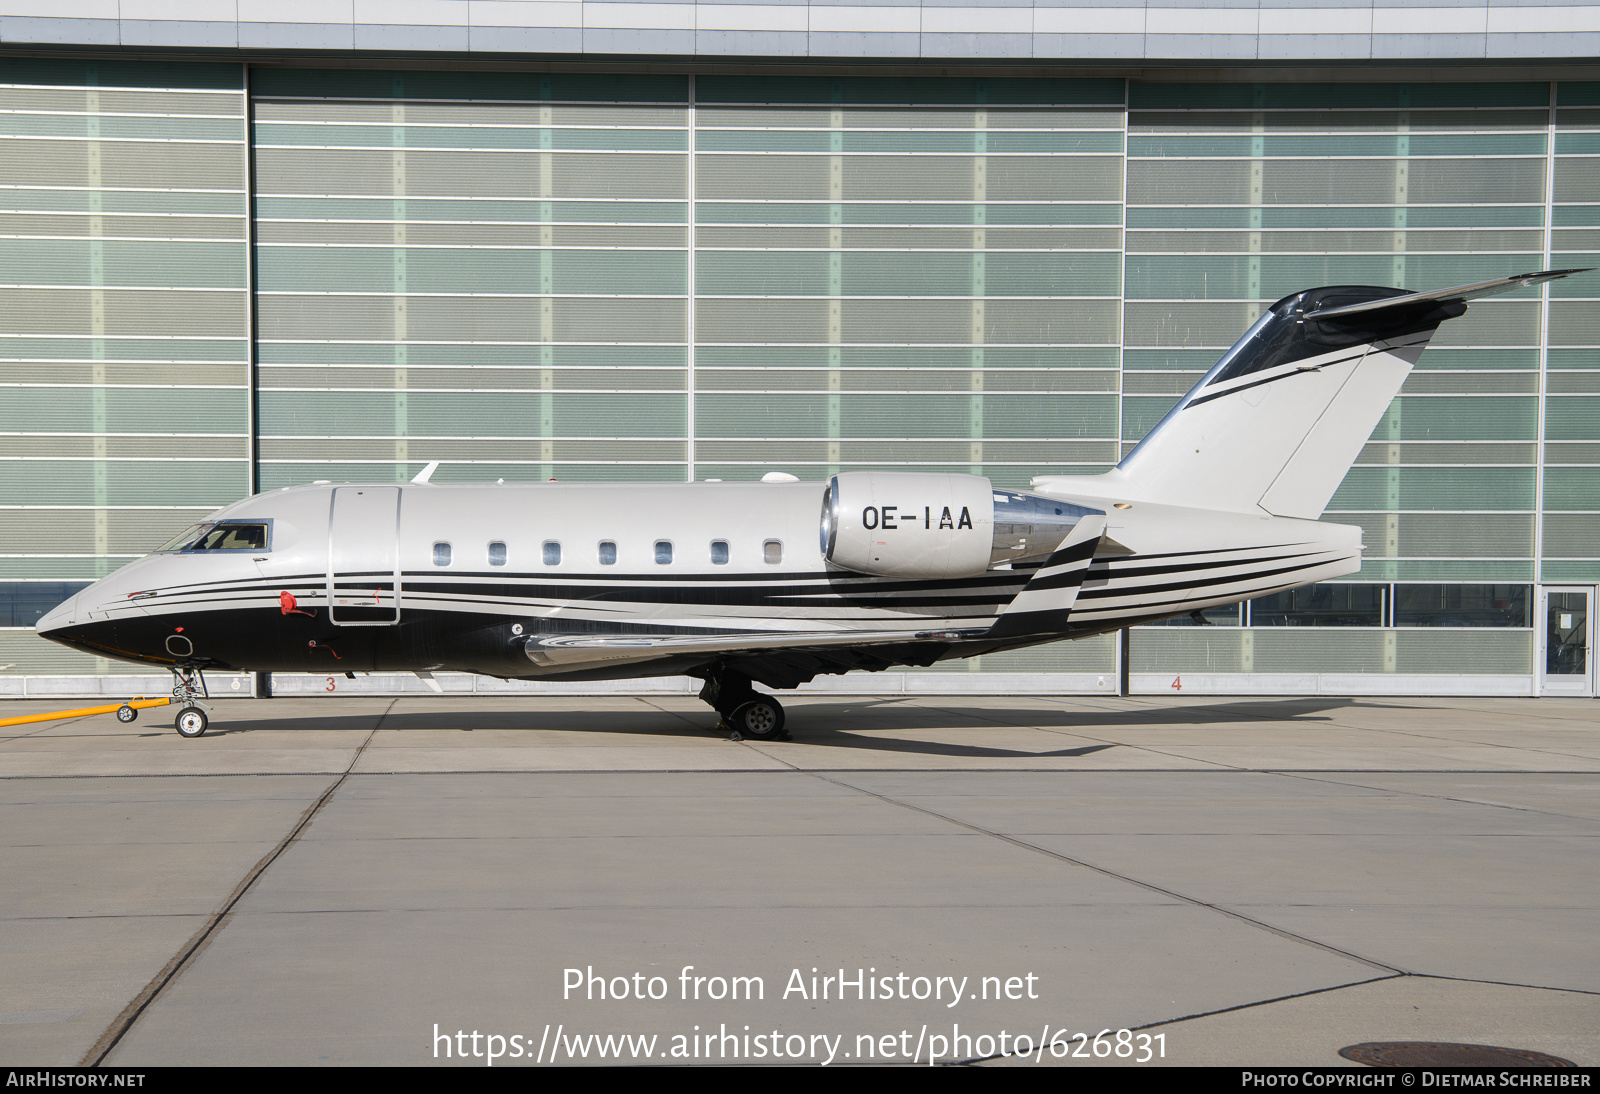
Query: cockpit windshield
[[221, 536]]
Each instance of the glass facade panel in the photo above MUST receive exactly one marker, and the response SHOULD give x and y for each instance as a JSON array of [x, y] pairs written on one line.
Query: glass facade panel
[[1326, 605], [1463, 605], [632, 277], [23, 603], [123, 322]]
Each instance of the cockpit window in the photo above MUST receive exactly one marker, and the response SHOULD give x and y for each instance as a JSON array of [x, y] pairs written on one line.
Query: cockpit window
[[222, 536]]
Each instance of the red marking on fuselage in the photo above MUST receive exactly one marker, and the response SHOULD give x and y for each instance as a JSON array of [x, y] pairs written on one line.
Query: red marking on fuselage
[[314, 645]]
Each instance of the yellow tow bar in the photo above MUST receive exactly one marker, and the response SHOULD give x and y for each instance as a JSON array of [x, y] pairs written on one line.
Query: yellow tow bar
[[138, 702]]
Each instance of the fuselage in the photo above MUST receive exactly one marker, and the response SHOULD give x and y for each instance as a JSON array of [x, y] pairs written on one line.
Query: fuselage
[[485, 578]]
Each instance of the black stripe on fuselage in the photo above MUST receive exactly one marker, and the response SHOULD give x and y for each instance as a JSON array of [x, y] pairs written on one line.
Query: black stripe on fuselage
[[805, 590], [826, 579], [1124, 572], [1193, 587], [991, 590]]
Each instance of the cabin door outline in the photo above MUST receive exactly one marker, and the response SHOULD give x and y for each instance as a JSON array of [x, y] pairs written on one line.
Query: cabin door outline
[[364, 556]]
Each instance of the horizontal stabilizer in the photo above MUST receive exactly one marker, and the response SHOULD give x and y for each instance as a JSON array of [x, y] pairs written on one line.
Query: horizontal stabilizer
[[1419, 300]]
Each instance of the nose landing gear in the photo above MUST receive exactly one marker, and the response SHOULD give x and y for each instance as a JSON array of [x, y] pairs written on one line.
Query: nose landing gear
[[188, 688]]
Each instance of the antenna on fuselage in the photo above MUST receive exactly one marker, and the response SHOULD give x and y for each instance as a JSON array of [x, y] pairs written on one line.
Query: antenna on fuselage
[[427, 472]]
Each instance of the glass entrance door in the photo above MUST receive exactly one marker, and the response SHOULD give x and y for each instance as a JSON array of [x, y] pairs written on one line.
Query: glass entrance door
[[1566, 658]]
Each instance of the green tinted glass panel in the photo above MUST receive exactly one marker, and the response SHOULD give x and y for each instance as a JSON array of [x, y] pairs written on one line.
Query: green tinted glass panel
[[521, 138], [798, 273], [761, 415], [1320, 96], [117, 262], [484, 210], [920, 90], [1140, 414], [122, 127], [1466, 488], [1578, 94], [569, 86], [1572, 418], [453, 270], [102, 73], [1570, 571], [1572, 488], [1446, 419]]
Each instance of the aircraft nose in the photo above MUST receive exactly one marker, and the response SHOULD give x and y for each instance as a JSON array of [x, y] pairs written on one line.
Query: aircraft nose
[[62, 615]]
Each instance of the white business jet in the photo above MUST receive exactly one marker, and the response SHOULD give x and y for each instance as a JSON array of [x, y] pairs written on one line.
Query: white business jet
[[778, 582]]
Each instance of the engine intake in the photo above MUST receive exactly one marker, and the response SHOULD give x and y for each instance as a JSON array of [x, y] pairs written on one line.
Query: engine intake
[[917, 525]]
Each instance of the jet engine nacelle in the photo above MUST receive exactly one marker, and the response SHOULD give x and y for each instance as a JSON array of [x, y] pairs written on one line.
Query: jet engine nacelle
[[909, 524], [906, 524]]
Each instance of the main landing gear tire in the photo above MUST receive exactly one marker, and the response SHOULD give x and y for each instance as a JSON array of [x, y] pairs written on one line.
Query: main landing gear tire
[[191, 722], [126, 714], [761, 719]]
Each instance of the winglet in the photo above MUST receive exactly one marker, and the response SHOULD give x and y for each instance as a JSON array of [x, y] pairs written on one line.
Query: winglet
[[1460, 294], [427, 472]]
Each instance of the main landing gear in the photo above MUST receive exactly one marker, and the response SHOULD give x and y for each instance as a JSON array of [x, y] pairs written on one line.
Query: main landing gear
[[188, 688], [745, 711]]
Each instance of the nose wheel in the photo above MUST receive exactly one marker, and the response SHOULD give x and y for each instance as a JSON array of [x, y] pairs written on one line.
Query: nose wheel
[[192, 722]]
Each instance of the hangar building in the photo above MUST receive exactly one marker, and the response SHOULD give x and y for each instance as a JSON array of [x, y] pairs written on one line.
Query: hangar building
[[249, 243]]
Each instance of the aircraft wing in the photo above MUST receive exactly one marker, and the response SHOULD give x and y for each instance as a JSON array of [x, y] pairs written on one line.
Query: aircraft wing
[[1046, 601], [577, 651], [1458, 295]]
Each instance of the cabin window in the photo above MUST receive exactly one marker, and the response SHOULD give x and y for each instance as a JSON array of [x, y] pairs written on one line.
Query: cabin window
[[772, 552], [663, 551], [552, 553], [719, 552], [497, 553], [608, 553], [441, 554]]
